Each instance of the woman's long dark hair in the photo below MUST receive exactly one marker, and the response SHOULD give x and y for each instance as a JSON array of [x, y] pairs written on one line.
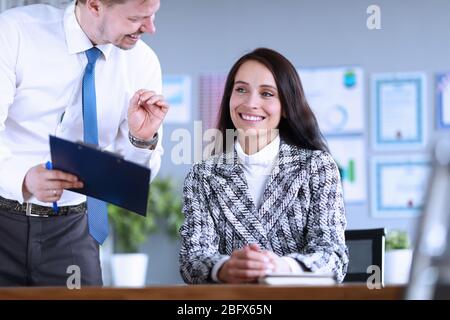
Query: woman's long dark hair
[[298, 125]]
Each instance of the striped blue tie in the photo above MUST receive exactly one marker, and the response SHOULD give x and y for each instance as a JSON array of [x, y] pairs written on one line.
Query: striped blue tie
[[97, 211]]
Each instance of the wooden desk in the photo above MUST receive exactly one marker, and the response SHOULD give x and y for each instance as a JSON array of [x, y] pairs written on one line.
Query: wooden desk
[[207, 292]]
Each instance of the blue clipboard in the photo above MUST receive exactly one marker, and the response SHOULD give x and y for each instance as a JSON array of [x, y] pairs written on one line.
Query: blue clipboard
[[106, 176]]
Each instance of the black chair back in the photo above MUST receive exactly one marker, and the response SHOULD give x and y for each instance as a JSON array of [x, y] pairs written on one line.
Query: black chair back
[[366, 248]]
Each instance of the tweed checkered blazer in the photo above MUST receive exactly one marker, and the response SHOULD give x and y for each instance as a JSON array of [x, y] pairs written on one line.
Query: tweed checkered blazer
[[301, 216]]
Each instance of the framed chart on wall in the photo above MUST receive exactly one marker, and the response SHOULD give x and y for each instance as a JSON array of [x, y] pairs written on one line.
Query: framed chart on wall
[[398, 111], [336, 96], [349, 153], [398, 185], [443, 100], [8, 4], [211, 86], [177, 91]]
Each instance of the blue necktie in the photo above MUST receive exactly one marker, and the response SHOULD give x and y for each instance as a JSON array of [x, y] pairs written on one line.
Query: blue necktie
[[97, 211]]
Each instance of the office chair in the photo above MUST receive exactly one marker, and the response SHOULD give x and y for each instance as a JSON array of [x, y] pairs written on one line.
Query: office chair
[[366, 248]]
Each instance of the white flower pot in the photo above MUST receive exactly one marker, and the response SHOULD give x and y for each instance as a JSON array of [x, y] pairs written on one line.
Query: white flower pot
[[397, 266], [129, 269]]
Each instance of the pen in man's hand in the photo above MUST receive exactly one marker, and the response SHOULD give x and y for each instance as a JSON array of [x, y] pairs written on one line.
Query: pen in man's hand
[[49, 166]]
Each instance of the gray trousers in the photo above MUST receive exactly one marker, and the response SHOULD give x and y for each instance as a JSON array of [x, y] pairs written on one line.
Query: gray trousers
[[37, 251]]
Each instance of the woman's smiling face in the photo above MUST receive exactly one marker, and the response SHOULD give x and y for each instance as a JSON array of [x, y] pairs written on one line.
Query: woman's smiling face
[[254, 102]]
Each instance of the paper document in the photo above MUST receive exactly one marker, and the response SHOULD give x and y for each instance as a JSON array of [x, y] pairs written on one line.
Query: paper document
[[307, 279]]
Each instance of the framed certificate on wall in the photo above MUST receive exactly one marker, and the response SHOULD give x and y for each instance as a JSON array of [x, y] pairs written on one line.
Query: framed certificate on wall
[[398, 111], [399, 185], [443, 100]]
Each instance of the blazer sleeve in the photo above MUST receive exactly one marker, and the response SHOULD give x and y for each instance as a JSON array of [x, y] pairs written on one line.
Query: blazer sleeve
[[325, 248], [199, 240]]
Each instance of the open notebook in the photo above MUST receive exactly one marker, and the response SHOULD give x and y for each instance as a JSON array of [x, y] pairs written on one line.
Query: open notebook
[[310, 279]]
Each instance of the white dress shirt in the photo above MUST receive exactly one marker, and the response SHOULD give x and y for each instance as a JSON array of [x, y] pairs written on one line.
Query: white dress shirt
[[257, 168], [42, 62]]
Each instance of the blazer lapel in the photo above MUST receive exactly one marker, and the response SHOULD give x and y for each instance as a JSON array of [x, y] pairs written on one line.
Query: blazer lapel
[[282, 187], [233, 197]]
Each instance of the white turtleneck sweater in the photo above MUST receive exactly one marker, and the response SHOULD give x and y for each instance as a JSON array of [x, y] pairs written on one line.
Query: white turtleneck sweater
[[257, 168]]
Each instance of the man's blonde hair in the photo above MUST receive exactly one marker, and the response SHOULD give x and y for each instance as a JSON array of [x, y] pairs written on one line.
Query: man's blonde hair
[[106, 2]]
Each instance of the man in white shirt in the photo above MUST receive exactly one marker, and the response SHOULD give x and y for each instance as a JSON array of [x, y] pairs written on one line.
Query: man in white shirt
[[43, 66]]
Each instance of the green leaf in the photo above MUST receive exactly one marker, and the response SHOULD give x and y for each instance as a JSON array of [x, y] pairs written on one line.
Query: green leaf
[[164, 203], [397, 239]]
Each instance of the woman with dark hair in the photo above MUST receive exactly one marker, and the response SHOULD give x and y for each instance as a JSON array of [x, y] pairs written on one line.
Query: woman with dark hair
[[272, 201]]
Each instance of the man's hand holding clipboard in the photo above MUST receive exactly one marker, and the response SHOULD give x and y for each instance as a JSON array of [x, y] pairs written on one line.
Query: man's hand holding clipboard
[[105, 176]]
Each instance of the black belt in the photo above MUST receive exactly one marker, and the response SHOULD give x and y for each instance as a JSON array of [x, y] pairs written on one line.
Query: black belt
[[34, 210]]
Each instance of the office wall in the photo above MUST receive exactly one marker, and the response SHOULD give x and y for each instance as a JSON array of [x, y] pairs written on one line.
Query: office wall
[[200, 36]]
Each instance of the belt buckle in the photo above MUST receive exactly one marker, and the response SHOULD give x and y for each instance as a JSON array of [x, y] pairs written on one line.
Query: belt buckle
[[29, 214]]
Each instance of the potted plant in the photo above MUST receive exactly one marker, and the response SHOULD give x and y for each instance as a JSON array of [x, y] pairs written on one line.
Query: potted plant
[[398, 257], [129, 231]]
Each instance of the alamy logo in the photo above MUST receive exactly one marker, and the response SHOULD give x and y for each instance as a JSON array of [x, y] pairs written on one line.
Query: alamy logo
[[74, 280], [374, 20], [374, 280]]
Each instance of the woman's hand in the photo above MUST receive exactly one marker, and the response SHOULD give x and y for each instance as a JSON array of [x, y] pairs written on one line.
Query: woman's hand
[[245, 265], [280, 264]]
